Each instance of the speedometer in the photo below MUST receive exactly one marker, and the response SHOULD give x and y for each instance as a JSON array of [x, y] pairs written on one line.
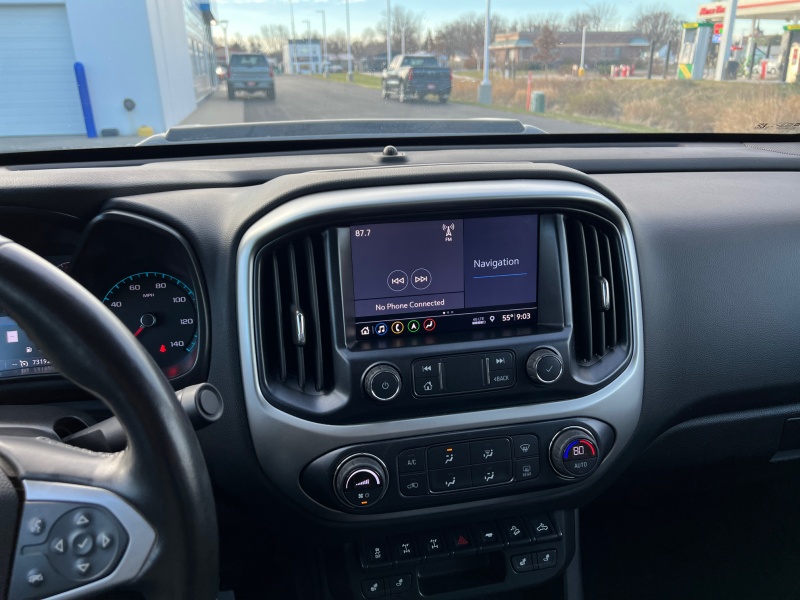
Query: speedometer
[[161, 311]]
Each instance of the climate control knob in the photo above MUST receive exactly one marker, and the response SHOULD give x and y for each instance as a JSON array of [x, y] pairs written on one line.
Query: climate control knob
[[574, 453], [360, 480], [382, 383]]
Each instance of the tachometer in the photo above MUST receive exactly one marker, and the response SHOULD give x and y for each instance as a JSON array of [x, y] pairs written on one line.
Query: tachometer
[[161, 311]]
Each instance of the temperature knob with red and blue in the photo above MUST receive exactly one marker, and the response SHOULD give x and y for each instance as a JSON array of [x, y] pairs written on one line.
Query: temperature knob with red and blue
[[574, 453]]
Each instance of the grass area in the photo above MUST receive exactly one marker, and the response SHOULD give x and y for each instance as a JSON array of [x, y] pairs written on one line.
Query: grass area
[[654, 105], [368, 81]]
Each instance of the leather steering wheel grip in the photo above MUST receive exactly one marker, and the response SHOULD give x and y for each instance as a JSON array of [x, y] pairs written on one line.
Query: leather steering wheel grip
[[162, 473]]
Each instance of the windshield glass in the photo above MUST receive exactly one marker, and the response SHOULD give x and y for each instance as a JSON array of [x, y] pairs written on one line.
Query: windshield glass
[[82, 74]]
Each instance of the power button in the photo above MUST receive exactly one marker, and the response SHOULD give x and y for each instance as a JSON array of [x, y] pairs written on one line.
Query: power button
[[382, 383]]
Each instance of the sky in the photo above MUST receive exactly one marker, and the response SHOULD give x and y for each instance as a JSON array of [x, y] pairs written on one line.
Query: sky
[[247, 16]]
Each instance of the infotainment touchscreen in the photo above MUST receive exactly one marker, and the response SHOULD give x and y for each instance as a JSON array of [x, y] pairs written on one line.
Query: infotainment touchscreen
[[447, 275]]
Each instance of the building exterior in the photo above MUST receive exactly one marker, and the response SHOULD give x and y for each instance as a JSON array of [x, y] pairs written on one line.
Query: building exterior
[[518, 49], [302, 57], [157, 53]]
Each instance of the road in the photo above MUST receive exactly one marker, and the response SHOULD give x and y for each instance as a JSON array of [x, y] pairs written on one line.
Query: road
[[300, 98]]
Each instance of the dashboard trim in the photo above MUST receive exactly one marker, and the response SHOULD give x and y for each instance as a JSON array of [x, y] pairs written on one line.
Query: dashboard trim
[[285, 444]]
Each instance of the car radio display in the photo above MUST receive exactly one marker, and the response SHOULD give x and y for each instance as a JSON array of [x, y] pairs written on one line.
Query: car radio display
[[416, 279]]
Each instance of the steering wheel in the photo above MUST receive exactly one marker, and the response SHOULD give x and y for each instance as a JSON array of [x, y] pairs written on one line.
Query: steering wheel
[[78, 523]]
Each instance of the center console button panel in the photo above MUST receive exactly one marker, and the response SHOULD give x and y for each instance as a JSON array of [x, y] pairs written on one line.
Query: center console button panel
[[464, 373], [448, 468]]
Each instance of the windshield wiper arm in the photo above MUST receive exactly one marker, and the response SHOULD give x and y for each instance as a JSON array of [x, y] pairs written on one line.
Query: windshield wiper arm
[[344, 128]]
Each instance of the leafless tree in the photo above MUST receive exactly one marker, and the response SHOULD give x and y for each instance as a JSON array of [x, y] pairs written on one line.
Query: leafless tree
[[536, 22], [403, 20], [658, 25], [602, 16], [578, 20], [274, 38]]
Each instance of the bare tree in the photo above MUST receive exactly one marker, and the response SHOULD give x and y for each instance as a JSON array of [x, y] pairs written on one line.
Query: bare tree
[[274, 38], [602, 16], [403, 21], [536, 22], [578, 20], [465, 34], [658, 25]]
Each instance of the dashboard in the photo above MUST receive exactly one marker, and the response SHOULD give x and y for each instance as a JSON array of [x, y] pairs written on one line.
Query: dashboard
[[440, 344]]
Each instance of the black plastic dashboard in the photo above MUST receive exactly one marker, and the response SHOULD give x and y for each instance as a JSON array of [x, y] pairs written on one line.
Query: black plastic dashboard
[[709, 251]]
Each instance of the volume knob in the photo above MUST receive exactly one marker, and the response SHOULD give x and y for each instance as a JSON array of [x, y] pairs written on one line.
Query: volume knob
[[382, 383]]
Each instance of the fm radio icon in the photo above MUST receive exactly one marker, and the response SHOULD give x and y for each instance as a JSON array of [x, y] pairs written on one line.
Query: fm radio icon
[[448, 231]]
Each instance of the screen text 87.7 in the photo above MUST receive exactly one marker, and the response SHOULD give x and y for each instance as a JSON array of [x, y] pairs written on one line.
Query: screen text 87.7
[[362, 232]]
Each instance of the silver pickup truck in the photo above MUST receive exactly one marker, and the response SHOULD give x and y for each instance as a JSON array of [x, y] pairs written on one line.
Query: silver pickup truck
[[250, 73]]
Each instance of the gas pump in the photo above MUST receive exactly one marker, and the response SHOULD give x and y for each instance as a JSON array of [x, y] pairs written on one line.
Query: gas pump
[[791, 57], [694, 50]]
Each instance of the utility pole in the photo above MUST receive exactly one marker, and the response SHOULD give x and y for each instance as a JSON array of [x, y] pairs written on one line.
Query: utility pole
[[224, 25], [388, 32], [650, 63], [308, 43], [582, 68], [403, 39], [349, 50], [293, 42], [485, 88], [324, 42], [726, 41]]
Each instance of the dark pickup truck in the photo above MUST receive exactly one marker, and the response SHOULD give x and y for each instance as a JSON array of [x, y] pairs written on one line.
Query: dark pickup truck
[[416, 76]]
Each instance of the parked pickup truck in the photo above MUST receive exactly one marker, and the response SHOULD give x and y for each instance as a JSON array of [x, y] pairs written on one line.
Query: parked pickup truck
[[415, 76], [250, 73]]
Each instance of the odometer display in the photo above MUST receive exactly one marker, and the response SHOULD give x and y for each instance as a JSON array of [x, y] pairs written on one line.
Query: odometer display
[[161, 311]]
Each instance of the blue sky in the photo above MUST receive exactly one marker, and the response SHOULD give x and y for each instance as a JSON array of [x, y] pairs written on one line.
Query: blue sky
[[247, 16]]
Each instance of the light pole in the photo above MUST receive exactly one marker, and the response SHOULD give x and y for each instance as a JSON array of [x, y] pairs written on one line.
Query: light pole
[[388, 33], [308, 41], [293, 42], [324, 42], [349, 51], [224, 25], [403, 39], [485, 87], [582, 68]]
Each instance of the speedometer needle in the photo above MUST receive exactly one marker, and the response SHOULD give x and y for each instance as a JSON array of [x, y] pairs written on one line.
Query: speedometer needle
[[147, 320]]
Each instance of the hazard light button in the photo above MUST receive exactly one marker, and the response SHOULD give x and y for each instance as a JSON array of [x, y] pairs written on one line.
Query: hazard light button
[[461, 541]]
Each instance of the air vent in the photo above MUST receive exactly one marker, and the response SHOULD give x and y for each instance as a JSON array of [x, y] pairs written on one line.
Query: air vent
[[295, 322], [599, 294]]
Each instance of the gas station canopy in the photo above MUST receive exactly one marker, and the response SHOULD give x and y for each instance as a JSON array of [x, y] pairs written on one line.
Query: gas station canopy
[[788, 10]]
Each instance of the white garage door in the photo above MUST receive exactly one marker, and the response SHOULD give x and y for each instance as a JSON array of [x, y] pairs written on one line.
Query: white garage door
[[39, 95]]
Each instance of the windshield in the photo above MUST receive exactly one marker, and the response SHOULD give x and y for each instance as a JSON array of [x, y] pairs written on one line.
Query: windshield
[[82, 74]]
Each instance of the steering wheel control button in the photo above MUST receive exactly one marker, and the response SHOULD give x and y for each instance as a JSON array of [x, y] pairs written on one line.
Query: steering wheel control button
[[574, 453], [490, 451], [491, 474], [104, 540], [58, 545], [542, 528], [375, 554], [488, 536], [525, 446], [35, 578], [544, 366], [522, 562], [37, 525], [411, 461], [382, 383], [448, 456], [82, 519], [450, 480], [83, 568], [373, 588], [415, 484], [82, 544], [434, 545], [515, 533], [526, 469], [360, 481], [546, 559]]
